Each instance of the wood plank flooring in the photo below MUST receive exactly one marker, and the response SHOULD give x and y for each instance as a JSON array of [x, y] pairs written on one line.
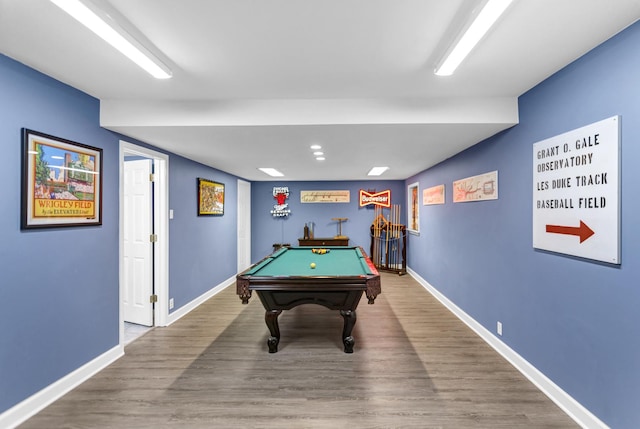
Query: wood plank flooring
[[414, 365]]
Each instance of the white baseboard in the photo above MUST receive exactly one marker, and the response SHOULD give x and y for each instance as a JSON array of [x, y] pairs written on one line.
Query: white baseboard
[[31, 406], [573, 408], [22, 411], [186, 309]]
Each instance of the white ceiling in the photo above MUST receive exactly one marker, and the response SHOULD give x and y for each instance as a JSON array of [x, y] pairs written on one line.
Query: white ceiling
[[255, 83]]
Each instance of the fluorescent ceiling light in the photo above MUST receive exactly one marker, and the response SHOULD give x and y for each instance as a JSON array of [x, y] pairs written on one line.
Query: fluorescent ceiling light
[[271, 171], [318, 153], [315, 146], [104, 26], [473, 34], [377, 171], [320, 158]]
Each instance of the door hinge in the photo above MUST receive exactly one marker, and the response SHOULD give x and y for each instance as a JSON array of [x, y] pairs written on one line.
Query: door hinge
[[151, 177], [153, 298], [153, 238]]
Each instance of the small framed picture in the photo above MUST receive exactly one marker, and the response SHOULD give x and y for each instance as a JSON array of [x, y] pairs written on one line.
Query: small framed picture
[[413, 209], [61, 182], [210, 198]]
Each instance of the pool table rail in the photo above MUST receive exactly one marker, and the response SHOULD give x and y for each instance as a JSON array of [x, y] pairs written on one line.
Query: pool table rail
[[315, 284]]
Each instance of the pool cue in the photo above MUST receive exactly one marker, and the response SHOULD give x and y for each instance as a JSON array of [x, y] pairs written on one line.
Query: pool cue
[[377, 208], [392, 233], [386, 244], [393, 236], [397, 235], [376, 234]]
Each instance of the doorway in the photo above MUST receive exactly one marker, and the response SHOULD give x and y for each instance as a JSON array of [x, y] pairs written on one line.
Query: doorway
[[149, 296], [244, 225]]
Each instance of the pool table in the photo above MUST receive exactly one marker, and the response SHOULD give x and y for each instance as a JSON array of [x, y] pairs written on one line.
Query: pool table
[[286, 279]]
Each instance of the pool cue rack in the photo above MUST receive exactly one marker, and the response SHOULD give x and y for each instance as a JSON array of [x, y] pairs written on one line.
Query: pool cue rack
[[389, 241]]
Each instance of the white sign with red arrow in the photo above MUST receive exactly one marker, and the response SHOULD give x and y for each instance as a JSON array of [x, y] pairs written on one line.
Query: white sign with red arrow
[[576, 192]]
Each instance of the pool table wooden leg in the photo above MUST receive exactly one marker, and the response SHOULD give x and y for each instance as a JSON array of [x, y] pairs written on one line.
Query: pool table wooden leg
[[349, 322], [271, 317]]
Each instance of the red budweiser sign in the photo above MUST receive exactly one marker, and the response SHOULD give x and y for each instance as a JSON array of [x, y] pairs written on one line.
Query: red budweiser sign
[[382, 198]]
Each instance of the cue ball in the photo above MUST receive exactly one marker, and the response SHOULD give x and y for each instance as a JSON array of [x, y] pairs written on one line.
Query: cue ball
[[313, 265]]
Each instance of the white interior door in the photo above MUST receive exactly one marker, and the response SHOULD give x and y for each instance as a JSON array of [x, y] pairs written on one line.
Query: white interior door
[[244, 225], [138, 249]]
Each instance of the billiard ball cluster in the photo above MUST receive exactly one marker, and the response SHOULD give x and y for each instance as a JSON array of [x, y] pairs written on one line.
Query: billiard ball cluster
[[317, 252]]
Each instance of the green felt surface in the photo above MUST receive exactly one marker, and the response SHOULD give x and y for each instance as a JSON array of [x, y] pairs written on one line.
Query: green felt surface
[[296, 261]]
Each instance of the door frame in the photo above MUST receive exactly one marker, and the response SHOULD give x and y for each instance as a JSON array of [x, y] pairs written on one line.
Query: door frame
[[244, 216], [161, 228]]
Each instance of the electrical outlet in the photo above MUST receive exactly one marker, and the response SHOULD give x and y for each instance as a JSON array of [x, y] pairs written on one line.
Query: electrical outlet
[[499, 328], [170, 303]]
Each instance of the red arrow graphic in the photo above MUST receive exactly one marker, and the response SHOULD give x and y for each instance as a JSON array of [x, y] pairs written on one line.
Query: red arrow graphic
[[582, 231]]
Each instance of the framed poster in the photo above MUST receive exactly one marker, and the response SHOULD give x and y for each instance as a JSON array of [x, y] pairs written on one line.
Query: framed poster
[[61, 182], [325, 196], [476, 188], [210, 198], [433, 195], [413, 225]]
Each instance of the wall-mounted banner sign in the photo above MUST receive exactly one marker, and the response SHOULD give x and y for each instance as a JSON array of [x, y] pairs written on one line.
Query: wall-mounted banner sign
[[576, 192], [325, 196], [433, 195], [382, 199], [281, 209], [477, 188]]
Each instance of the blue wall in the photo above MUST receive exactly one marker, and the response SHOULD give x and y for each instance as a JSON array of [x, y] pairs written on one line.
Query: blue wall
[[575, 320], [267, 230], [59, 287], [202, 249]]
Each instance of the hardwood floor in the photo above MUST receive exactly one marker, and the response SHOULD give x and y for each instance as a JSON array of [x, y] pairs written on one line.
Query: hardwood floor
[[415, 365]]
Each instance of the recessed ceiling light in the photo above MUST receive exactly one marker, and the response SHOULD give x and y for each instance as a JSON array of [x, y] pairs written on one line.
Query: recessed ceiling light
[[315, 146], [320, 158], [377, 171], [271, 171]]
